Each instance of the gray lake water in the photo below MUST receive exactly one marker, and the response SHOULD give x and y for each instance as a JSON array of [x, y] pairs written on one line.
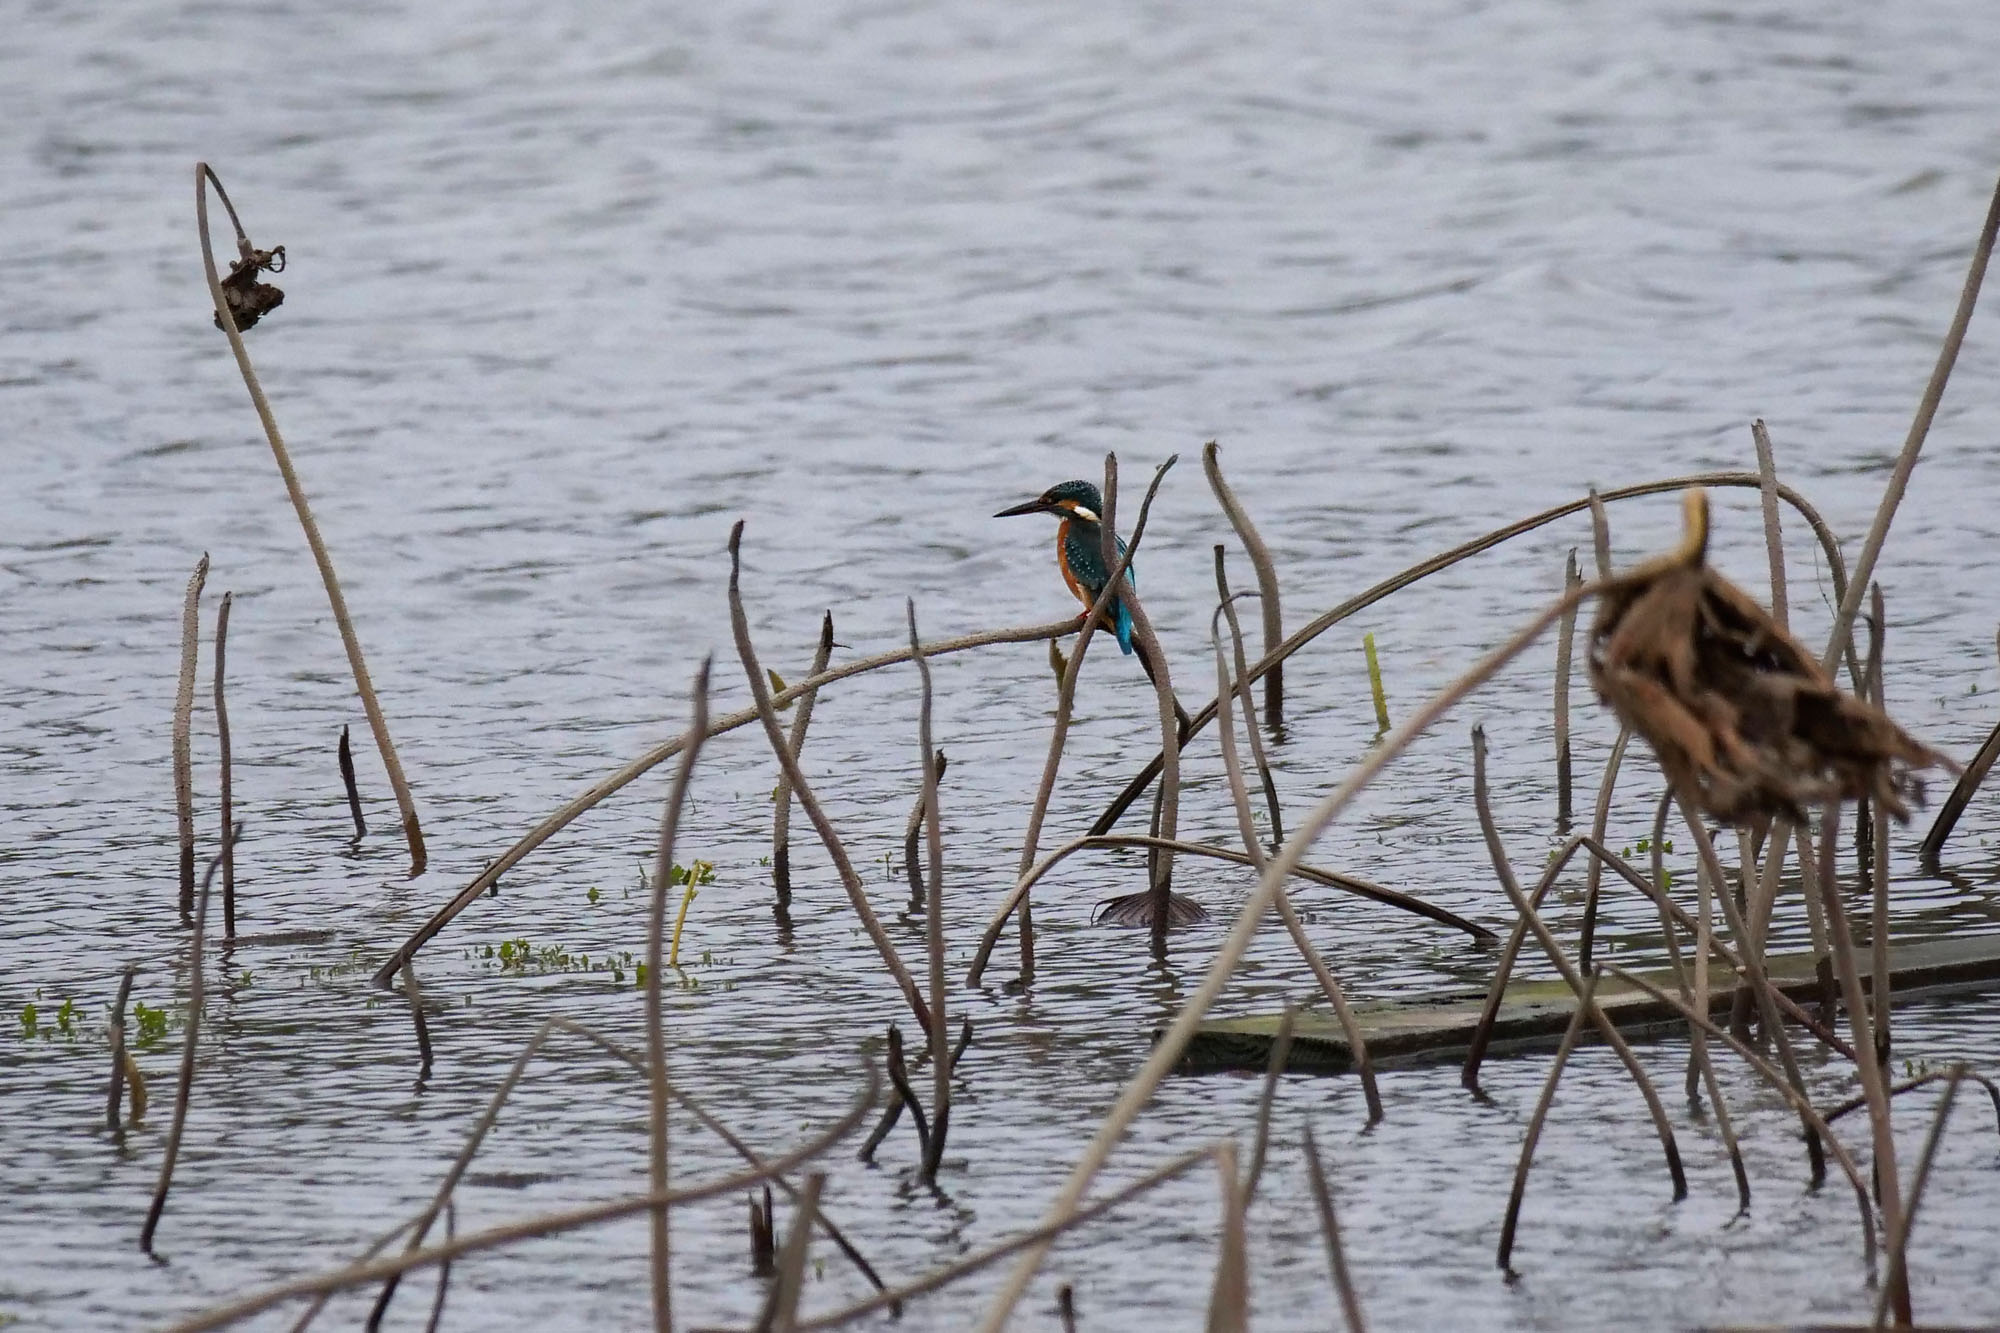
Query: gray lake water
[[569, 294]]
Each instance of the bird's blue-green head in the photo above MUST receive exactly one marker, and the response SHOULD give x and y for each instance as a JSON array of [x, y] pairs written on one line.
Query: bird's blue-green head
[[1070, 499]]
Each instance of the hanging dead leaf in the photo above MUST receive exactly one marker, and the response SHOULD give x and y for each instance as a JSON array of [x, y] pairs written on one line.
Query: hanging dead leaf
[[250, 300], [1744, 721]]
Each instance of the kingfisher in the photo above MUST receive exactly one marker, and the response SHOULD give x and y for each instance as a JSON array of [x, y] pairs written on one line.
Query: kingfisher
[[1080, 558]]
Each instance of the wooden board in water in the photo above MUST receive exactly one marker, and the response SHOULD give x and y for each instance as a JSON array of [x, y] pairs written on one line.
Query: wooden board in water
[[1435, 1029]]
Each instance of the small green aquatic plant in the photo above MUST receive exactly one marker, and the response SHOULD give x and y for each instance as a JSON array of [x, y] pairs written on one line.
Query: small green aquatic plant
[[151, 1022]]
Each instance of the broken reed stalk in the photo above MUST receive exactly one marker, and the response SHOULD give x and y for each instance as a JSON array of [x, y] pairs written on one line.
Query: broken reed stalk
[[1880, 979], [766, 712], [1229, 1297], [1267, 584], [1586, 1003], [1172, 1043], [114, 1099], [347, 781], [1331, 879], [1504, 871], [1600, 533], [781, 811], [599, 791], [656, 1032], [1329, 984], [1774, 540], [222, 738], [1281, 1050], [1701, 1065], [1873, 1084], [894, 1112], [1299, 638], [363, 685], [1167, 815], [913, 829], [184, 731], [782, 1314], [1086, 629], [1899, 1239], [444, 1269], [186, 1087], [1241, 687], [1913, 443], [906, 1095], [941, 1061], [1565, 650], [763, 1241], [1040, 1235], [1066, 1307], [1776, 1080], [1329, 1230], [1961, 795], [1594, 873], [415, 994], [1853, 1104], [511, 1233]]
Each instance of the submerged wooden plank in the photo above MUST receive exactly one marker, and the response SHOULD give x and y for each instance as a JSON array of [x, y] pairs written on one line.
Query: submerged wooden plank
[[1434, 1029]]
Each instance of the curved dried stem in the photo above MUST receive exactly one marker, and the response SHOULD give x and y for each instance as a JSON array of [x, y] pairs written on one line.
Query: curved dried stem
[[1281, 1050], [1167, 1051], [1899, 1240], [781, 812], [941, 1062], [1267, 588], [362, 684], [656, 1031], [183, 734], [1244, 697], [1329, 1230], [222, 742], [1599, 821], [604, 788], [1586, 1004], [760, 694], [913, 831], [1229, 1298], [1836, 568]]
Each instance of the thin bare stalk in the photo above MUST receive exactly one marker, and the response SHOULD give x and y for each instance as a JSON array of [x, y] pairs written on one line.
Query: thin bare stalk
[[913, 831], [656, 1031], [1899, 1239], [1913, 444], [1774, 542], [1267, 588], [760, 693], [792, 1263], [781, 810], [1241, 687], [186, 1088], [1873, 1084], [1232, 768], [1775, 1078], [203, 176], [899, 1079], [604, 788], [1281, 1050], [1880, 982], [1229, 1298], [546, 1224], [1586, 1003], [941, 1062], [444, 1269], [1503, 869], [1594, 873], [415, 994], [1167, 1051], [222, 737], [183, 734], [1565, 648], [894, 1112], [347, 781], [1853, 1104], [1600, 534], [1961, 795], [1329, 1230], [1299, 638], [115, 1098]]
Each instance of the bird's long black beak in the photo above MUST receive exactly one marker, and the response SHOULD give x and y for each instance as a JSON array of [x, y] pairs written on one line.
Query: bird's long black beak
[[1035, 506]]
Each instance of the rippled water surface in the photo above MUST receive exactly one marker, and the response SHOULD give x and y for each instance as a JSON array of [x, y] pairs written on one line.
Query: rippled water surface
[[568, 295]]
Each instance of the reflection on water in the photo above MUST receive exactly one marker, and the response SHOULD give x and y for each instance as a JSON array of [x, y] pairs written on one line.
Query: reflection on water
[[861, 274]]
